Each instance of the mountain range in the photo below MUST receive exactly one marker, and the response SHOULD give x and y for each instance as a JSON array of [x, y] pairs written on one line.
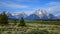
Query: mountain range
[[37, 15]]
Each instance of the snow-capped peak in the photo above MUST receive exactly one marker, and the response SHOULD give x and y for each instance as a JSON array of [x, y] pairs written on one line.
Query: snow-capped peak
[[40, 11]]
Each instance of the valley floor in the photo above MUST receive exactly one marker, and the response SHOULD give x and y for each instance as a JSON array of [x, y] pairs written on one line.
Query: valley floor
[[14, 29]]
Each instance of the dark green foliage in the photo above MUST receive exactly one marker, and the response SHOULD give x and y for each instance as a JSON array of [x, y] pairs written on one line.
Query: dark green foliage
[[22, 22], [37, 31], [15, 21], [44, 22], [3, 19]]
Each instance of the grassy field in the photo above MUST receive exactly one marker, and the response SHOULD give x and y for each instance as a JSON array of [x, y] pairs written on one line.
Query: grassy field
[[51, 26], [45, 22], [40, 22]]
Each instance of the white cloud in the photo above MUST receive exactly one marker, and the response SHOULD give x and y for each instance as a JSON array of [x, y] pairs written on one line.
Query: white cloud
[[53, 7], [27, 0], [28, 12], [12, 5], [53, 3]]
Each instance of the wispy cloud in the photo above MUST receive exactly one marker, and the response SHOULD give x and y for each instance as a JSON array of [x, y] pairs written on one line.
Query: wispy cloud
[[12, 5], [53, 3], [30, 5], [27, 0], [53, 7]]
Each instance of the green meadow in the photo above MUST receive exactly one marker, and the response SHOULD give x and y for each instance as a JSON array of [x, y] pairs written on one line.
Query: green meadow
[[49, 27]]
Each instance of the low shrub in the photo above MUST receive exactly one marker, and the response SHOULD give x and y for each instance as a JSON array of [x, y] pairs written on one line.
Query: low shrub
[[37, 31]]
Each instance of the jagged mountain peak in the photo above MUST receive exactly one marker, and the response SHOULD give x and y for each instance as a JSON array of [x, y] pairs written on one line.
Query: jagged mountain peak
[[38, 14], [19, 15], [32, 17], [40, 11]]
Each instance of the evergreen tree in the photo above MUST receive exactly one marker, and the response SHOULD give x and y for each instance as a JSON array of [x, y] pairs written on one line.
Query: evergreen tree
[[0, 18], [15, 21], [22, 22], [3, 19]]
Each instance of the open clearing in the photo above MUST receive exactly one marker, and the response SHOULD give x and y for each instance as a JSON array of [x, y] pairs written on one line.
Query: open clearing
[[43, 25]]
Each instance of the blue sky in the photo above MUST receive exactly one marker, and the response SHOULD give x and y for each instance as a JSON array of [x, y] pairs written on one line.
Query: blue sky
[[29, 6]]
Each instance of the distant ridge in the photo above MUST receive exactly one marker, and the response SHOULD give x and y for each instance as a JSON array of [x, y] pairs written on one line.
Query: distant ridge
[[39, 14]]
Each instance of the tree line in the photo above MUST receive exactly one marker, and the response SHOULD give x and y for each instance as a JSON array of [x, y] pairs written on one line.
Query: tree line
[[4, 20]]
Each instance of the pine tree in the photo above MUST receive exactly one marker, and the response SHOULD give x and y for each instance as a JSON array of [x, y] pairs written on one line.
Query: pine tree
[[22, 22], [0, 18], [3, 19], [15, 21]]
